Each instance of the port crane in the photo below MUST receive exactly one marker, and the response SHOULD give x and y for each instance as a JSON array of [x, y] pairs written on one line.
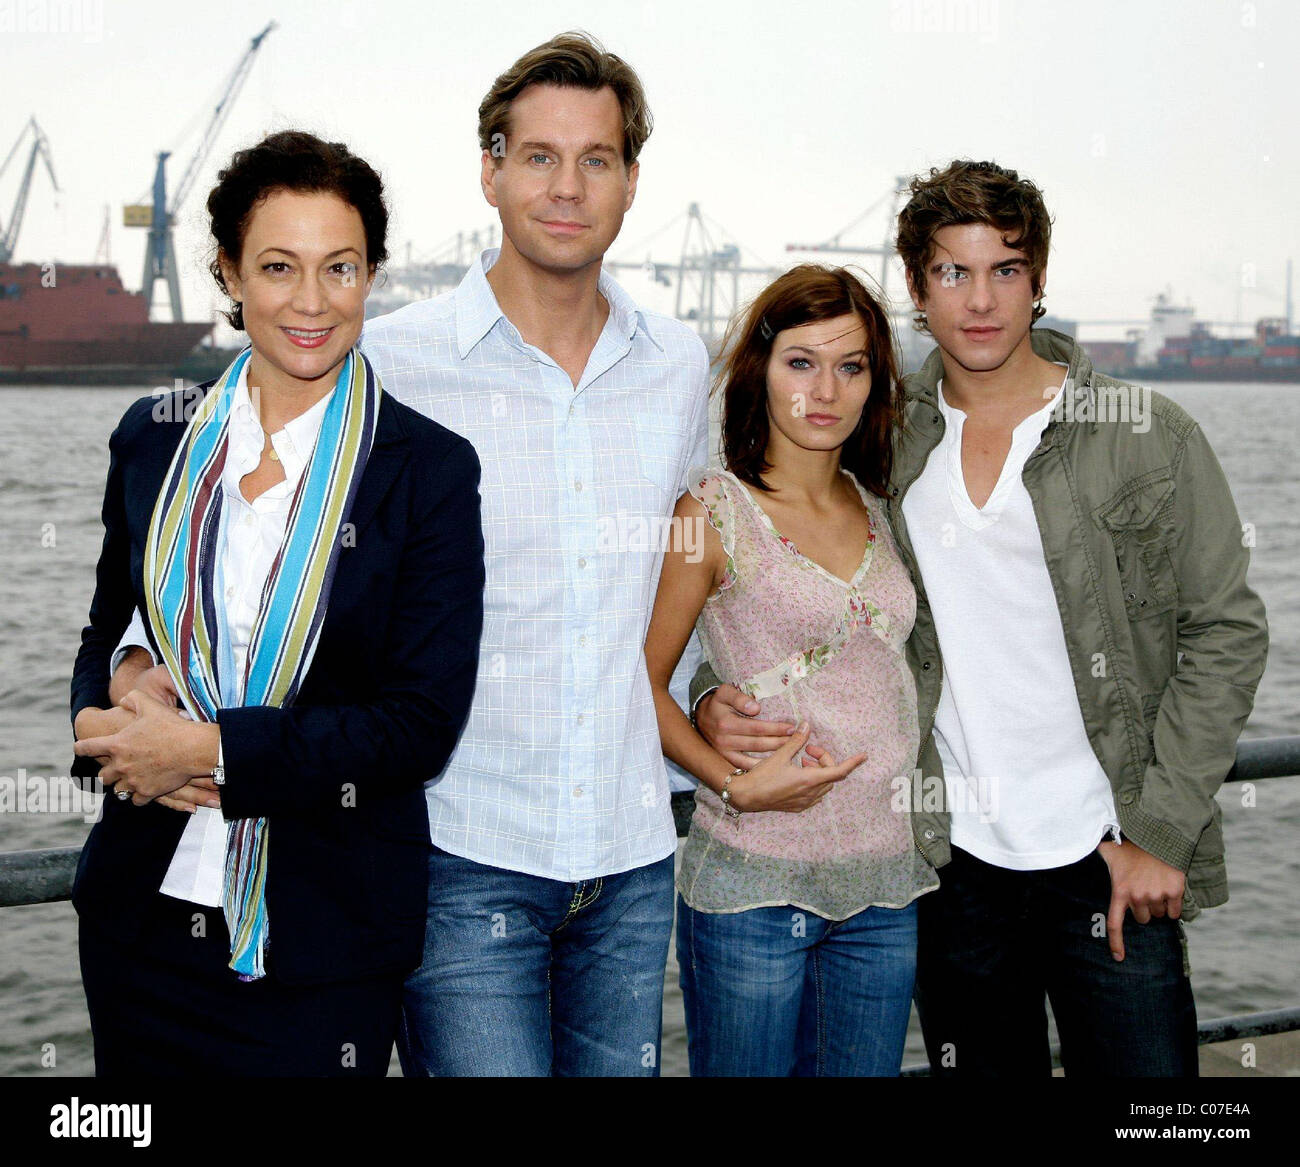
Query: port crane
[[835, 245], [157, 215], [707, 275], [40, 149], [438, 271]]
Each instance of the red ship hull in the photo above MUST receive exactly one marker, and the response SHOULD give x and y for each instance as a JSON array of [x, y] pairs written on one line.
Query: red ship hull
[[67, 323]]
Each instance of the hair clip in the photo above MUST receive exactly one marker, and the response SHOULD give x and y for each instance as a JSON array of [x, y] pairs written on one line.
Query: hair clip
[[765, 329]]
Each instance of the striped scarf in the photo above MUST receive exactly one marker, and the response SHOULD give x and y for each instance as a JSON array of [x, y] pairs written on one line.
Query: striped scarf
[[182, 585]]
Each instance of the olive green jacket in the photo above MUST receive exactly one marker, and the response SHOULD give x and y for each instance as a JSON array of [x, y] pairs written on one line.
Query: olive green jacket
[[1148, 559]]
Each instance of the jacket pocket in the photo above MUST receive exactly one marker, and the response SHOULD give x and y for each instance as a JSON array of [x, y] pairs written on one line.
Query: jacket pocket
[[1150, 711], [1139, 519]]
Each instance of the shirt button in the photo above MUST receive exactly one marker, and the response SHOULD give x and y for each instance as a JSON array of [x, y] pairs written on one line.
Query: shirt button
[[578, 485], [929, 834], [230, 591], [577, 792], [582, 642], [582, 563], [248, 520], [582, 718], [925, 665]]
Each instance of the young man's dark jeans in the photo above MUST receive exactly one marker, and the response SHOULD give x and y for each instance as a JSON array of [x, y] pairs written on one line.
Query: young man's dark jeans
[[994, 944]]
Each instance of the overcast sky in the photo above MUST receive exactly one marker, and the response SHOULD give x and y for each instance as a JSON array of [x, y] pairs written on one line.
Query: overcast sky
[[1164, 134]]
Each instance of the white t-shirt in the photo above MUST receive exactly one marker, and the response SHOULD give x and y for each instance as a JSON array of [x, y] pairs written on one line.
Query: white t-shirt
[[1025, 787]]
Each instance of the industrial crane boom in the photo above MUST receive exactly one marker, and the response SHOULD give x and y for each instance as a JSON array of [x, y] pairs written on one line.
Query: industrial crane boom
[[160, 252], [236, 82], [40, 148]]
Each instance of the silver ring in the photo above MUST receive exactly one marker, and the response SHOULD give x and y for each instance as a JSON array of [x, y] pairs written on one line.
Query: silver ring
[[123, 795]]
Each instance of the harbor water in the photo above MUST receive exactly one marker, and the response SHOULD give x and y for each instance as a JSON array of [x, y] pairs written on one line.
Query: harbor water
[[53, 459]]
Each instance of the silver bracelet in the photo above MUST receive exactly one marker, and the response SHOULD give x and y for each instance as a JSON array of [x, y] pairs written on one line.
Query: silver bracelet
[[725, 795]]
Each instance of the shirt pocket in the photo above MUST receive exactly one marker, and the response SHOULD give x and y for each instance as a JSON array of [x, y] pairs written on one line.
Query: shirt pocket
[[1139, 518], [658, 443]]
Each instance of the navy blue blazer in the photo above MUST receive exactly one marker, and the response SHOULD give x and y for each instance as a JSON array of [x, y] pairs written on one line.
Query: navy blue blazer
[[339, 774]]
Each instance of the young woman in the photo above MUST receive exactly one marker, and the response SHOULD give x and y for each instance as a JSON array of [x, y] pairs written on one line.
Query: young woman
[[308, 555], [796, 928]]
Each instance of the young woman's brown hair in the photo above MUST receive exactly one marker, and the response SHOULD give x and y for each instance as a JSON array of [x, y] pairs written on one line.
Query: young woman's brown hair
[[804, 295]]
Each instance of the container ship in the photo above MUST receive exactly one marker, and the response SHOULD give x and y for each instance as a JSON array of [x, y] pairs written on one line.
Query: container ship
[[71, 324], [75, 324], [1178, 347]]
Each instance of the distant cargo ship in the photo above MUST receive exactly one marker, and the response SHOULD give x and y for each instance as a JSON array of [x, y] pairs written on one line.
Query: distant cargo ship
[[1178, 347], [77, 324]]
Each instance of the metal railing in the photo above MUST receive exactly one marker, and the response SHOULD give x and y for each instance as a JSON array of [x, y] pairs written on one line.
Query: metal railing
[[45, 876], [1235, 1028]]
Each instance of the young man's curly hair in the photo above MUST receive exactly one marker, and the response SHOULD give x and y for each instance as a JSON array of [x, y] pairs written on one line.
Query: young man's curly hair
[[973, 192]]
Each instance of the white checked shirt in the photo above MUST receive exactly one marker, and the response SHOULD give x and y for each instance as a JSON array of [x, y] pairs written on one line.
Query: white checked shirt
[[559, 772]]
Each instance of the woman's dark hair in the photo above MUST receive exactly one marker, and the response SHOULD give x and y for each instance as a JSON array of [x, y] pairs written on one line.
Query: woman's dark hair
[[804, 295], [298, 161]]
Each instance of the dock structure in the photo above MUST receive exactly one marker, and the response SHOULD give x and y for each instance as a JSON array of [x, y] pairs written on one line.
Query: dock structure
[[1262, 1044]]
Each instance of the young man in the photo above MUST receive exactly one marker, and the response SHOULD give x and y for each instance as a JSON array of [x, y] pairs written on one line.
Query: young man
[[551, 880], [551, 877], [1086, 652]]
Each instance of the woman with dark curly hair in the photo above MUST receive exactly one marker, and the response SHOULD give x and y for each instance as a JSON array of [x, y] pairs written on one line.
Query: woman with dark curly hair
[[796, 921], [307, 556]]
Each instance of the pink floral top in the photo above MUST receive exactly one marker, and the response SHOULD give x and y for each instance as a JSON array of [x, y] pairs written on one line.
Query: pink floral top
[[810, 646]]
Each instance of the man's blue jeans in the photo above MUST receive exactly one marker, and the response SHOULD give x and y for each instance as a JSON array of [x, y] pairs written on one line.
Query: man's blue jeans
[[996, 944], [779, 992], [525, 976]]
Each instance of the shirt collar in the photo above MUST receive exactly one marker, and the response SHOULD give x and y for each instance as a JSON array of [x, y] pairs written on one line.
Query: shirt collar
[[294, 443], [477, 310]]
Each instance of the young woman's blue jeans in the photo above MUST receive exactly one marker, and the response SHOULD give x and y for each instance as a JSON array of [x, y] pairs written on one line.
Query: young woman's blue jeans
[[779, 992]]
